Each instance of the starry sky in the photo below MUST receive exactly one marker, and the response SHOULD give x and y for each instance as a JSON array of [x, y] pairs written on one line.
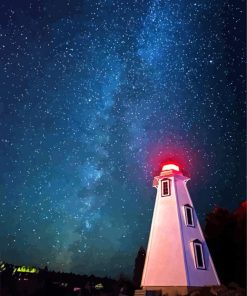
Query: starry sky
[[95, 95]]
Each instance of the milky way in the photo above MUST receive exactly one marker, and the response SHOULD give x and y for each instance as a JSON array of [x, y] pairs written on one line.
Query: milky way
[[95, 95]]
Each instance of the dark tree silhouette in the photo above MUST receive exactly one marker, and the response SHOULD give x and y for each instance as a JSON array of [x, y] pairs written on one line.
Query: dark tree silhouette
[[225, 234], [139, 265]]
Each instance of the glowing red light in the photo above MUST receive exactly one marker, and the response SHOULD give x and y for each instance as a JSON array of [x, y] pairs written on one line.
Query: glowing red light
[[168, 167]]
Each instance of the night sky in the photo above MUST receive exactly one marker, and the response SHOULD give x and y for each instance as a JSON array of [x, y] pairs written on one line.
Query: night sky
[[95, 95]]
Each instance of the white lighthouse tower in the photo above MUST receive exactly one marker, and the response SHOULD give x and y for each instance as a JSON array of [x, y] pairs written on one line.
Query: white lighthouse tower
[[177, 258]]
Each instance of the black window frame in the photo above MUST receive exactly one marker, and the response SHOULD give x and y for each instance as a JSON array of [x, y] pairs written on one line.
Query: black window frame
[[167, 181], [199, 244], [190, 209]]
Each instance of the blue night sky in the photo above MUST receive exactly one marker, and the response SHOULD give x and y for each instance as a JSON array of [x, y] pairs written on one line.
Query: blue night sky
[[95, 95]]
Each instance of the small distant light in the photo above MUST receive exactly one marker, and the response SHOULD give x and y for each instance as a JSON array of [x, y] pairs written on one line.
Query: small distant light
[[168, 167], [99, 286], [76, 289]]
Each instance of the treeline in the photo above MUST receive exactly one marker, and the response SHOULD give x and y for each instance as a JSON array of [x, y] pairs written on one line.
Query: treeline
[[225, 233], [23, 281]]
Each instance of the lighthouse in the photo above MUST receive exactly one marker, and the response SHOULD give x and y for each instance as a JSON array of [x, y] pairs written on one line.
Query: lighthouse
[[177, 258]]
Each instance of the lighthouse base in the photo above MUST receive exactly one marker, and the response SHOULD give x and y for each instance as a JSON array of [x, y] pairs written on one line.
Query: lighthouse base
[[164, 291], [174, 291]]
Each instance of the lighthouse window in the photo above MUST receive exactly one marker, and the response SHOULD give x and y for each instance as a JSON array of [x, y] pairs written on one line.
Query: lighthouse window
[[199, 258], [165, 187], [189, 215]]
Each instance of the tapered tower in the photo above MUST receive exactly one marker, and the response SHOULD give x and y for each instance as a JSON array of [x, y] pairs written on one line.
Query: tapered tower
[[177, 256]]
